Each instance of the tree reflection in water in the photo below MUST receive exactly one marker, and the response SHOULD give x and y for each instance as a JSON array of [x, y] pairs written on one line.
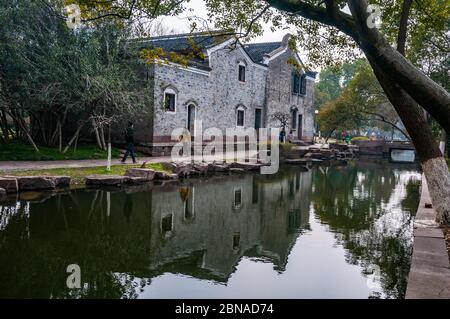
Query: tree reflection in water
[[123, 240], [370, 208]]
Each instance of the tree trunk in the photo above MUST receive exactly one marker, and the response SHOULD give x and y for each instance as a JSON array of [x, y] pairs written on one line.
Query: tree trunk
[[403, 27], [97, 135], [74, 137], [20, 123], [438, 179], [433, 164], [430, 95], [60, 137], [108, 166], [102, 138]]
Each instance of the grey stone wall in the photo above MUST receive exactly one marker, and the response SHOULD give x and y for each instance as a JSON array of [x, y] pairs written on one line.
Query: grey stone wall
[[280, 97], [215, 96]]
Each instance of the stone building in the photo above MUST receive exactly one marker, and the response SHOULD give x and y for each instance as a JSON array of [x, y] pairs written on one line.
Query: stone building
[[225, 84]]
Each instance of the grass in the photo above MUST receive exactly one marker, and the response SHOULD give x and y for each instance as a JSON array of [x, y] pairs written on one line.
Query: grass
[[360, 138], [23, 152], [78, 174]]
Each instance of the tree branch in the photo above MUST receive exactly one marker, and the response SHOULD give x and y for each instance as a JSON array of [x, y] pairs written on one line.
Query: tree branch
[[343, 21]]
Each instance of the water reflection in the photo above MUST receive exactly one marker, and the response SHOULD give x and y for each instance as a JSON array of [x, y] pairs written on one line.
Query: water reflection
[[291, 235]]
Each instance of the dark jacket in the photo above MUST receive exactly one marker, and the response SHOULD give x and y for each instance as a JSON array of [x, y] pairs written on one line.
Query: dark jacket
[[129, 135]]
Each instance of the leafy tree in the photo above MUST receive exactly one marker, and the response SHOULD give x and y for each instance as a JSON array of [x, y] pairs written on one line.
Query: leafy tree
[[333, 80], [362, 103], [333, 30], [54, 78]]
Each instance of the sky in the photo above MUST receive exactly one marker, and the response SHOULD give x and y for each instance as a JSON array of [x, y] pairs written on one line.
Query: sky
[[181, 24]]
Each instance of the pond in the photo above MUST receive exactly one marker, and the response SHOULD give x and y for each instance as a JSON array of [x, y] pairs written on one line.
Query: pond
[[331, 232]]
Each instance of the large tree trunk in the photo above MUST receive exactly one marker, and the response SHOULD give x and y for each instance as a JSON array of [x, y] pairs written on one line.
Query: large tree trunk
[[430, 95], [433, 164]]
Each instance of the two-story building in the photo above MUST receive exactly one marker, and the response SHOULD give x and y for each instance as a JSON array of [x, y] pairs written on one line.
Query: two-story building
[[225, 84]]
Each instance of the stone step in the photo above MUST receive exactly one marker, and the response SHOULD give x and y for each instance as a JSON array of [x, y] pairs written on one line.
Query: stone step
[[14, 184], [9, 184], [146, 173]]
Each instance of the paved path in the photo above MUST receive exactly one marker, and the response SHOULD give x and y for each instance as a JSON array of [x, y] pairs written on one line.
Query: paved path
[[429, 277], [6, 166]]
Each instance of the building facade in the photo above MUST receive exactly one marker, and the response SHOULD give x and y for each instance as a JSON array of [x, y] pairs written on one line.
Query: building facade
[[225, 85]]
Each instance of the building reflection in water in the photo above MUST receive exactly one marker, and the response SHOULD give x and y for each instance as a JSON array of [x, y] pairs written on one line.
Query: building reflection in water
[[200, 228]]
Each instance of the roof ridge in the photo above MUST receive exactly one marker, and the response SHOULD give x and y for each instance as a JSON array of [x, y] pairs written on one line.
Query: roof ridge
[[186, 35], [264, 43]]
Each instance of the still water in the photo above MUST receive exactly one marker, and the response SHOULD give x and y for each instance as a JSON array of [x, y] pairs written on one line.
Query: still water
[[332, 232]]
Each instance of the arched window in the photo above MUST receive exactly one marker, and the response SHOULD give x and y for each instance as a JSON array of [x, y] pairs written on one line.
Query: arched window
[[170, 100], [240, 116]]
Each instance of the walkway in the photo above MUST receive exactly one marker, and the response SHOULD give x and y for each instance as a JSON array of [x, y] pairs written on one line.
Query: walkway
[[429, 277], [6, 166]]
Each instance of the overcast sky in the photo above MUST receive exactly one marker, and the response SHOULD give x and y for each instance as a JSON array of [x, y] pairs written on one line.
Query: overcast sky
[[181, 23]]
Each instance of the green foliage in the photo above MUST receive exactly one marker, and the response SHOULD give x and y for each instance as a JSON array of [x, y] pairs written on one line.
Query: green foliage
[[333, 80], [56, 76], [360, 138], [338, 114], [361, 102], [24, 152]]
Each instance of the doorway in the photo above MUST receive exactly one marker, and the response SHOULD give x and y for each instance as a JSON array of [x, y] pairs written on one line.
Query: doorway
[[300, 126], [191, 118], [258, 118]]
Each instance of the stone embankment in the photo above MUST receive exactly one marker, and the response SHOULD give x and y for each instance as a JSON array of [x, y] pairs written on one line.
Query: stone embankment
[[16, 184], [172, 171], [429, 277], [334, 154]]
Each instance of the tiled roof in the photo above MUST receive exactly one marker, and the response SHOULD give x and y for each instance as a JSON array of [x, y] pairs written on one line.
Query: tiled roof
[[258, 50], [185, 43]]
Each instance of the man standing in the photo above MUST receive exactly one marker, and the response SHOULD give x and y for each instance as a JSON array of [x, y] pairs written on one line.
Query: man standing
[[129, 139]]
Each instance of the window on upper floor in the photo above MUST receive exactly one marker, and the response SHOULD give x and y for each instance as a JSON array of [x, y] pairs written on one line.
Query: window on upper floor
[[303, 84], [298, 83], [241, 72], [170, 100], [295, 83]]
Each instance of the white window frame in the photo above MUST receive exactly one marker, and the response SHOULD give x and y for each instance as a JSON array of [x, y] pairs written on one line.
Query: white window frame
[[170, 90]]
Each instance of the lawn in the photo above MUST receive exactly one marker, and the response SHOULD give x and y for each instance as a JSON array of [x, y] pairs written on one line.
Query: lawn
[[24, 152], [78, 174]]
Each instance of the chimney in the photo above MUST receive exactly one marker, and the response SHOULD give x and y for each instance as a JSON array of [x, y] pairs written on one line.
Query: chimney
[[286, 39]]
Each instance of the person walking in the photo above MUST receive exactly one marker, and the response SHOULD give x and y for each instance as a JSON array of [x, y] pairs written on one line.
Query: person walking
[[282, 135], [129, 139]]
